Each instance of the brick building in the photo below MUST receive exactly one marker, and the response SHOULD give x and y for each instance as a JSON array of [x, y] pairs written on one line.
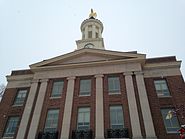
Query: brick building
[[94, 93]]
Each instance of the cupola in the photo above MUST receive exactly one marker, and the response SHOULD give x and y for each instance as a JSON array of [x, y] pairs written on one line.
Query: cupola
[[91, 29]]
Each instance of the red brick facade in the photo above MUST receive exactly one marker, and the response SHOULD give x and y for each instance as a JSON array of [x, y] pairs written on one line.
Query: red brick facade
[[175, 85], [7, 109]]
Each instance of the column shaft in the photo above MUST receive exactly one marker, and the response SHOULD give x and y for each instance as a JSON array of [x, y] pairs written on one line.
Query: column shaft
[[145, 108], [68, 109], [86, 32], [27, 111], [134, 117], [38, 109], [93, 31], [99, 108]]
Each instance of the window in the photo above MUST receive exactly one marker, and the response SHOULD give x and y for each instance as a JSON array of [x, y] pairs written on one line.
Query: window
[[116, 117], [161, 88], [113, 85], [57, 88], [85, 87], [171, 123], [83, 118], [20, 97], [11, 127], [51, 120], [89, 34]]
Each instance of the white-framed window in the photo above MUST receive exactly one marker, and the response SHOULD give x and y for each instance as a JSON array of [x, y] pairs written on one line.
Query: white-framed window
[[83, 118], [170, 121], [51, 123], [161, 88], [20, 97], [114, 85], [11, 126], [85, 87], [57, 88], [116, 117]]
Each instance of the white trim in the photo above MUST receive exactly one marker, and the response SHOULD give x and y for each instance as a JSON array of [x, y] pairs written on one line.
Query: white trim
[[58, 97], [117, 93]]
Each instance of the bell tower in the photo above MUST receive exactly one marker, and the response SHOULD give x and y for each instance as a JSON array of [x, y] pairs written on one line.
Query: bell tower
[[91, 29]]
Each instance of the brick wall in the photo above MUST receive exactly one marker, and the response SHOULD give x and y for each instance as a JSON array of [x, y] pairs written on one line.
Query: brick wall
[[118, 99], [83, 101], [7, 109], [177, 90], [53, 103]]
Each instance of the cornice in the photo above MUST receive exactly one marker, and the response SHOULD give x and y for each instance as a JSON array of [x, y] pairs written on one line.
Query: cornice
[[89, 64], [176, 64], [86, 50], [19, 77]]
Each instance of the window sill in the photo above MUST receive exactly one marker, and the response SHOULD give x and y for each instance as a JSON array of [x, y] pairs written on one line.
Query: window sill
[[84, 95], [17, 106], [55, 97], [164, 96], [175, 132], [116, 93], [7, 137]]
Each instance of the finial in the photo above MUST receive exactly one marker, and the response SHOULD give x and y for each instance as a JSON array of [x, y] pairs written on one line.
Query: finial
[[92, 14]]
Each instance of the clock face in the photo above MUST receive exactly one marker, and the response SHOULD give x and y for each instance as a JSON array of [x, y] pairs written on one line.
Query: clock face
[[89, 45]]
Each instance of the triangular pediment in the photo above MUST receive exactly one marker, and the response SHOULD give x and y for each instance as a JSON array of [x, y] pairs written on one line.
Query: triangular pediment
[[87, 55]]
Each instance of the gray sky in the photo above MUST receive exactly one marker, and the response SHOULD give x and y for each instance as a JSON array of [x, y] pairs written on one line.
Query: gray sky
[[34, 30]]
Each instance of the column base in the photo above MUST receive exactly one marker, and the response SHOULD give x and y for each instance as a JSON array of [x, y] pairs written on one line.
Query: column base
[[151, 138], [118, 138], [144, 138], [128, 138]]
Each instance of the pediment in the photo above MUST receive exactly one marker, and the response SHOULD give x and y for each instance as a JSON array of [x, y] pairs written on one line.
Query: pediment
[[87, 55]]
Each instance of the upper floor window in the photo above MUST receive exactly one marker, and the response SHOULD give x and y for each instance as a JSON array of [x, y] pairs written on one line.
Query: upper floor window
[[89, 34], [85, 87], [20, 97], [170, 121], [11, 126], [113, 85], [51, 120], [116, 117], [57, 88], [83, 118], [161, 88]]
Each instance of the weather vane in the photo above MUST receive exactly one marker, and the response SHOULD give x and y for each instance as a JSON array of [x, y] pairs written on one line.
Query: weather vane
[[92, 14]]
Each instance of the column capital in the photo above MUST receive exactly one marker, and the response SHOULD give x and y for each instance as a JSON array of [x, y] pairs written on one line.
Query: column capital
[[44, 80], [71, 78], [128, 73], [98, 76], [138, 72], [35, 81]]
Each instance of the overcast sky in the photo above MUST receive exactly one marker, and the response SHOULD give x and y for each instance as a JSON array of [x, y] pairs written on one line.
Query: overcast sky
[[34, 30]]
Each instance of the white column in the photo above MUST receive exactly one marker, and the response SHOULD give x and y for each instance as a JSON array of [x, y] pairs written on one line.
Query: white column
[[38, 108], [93, 31], [145, 108], [86, 32], [100, 36], [27, 110], [134, 117], [99, 134], [68, 108]]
